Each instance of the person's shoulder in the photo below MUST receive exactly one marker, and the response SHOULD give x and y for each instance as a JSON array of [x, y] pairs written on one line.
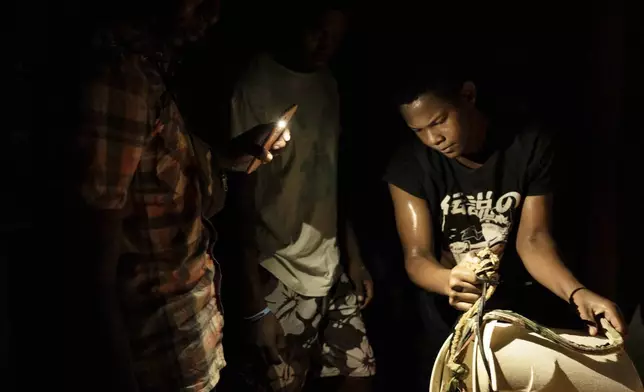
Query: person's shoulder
[[248, 68], [326, 76], [413, 152], [535, 132], [412, 167], [528, 135], [130, 72], [256, 74], [532, 145]]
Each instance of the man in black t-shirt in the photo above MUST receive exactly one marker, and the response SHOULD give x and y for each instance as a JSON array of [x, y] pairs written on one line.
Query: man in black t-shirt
[[467, 183]]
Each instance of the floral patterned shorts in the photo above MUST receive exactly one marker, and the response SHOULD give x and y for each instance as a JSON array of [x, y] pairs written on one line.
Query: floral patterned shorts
[[324, 335]]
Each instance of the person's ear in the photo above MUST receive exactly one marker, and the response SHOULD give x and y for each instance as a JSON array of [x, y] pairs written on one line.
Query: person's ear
[[468, 92]]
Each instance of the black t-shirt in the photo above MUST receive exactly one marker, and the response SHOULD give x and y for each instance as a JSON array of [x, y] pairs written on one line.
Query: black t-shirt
[[475, 208]]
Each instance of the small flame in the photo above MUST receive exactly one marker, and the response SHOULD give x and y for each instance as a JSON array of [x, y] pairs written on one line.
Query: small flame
[[281, 124]]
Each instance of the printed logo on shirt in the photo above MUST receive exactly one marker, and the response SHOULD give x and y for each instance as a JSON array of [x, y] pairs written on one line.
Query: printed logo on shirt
[[473, 222]]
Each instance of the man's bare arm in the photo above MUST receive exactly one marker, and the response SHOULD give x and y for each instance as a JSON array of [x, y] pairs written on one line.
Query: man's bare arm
[[414, 225], [355, 268], [538, 250]]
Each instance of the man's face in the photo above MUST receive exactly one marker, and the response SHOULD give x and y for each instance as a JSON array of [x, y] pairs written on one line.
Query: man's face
[[194, 17], [441, 125], [322, 40]]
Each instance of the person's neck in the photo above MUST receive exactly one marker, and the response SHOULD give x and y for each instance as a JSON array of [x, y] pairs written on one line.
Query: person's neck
[[484, 146], [292, 61]]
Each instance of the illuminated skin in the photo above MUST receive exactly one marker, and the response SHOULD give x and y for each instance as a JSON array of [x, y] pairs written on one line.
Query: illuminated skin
[[453, 129], [457, 130]]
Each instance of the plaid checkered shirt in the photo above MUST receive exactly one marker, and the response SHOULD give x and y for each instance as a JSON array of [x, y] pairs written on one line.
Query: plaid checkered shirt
[[142, 163]]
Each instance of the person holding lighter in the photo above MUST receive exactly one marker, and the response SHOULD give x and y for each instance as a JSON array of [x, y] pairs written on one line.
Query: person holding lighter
[[303, 282]]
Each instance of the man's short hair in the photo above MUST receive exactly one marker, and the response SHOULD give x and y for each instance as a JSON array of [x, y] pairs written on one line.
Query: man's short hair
[[442, 80], [297, 16]]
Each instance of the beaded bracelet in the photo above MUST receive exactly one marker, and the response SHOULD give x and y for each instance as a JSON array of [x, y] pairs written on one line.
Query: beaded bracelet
[[258, 316]]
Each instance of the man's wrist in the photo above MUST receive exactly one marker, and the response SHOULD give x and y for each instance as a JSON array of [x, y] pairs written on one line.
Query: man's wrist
[[443, 276], [571, 297], [428, 274], [253, 303], [220, 159], [565, 288], [258, 316]]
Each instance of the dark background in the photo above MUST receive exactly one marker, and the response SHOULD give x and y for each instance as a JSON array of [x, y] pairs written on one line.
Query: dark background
[[575, 65]]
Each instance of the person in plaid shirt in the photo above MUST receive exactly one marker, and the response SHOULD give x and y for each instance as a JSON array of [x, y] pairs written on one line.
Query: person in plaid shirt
[[148, 194]]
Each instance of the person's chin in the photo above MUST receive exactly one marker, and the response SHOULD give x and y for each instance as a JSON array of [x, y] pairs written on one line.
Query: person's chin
[[320, 62], [451, 153]]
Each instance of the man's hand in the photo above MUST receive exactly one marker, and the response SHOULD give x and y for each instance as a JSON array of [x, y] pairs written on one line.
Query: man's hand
[[591, 307], [463, 288], [361, 279], [243, 148], [268, 336]]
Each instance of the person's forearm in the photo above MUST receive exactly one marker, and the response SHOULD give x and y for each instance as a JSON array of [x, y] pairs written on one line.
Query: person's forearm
[[541, 259], [251, 284], [426, 272], [235, 154], [221, 156], [349, 245]]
